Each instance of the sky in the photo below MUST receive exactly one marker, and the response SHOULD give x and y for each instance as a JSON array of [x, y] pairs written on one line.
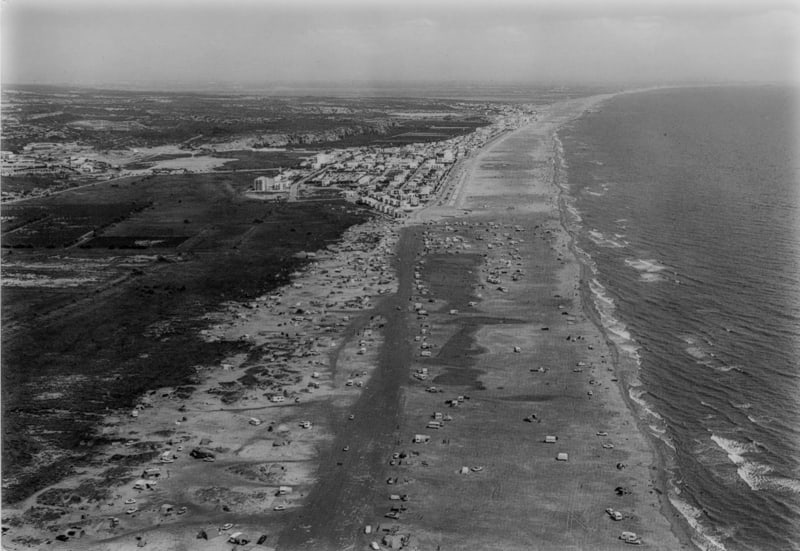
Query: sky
[[197, 43]]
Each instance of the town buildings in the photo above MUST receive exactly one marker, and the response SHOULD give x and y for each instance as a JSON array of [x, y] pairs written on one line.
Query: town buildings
[[266, 184]]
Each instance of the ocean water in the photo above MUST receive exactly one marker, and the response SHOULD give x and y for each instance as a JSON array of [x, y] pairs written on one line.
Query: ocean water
[[685, 207]]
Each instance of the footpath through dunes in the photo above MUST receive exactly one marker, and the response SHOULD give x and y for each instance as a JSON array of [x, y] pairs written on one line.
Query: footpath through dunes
[[512, 432]]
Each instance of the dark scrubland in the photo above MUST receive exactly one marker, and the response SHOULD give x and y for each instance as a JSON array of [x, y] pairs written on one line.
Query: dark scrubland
[[166, 251]]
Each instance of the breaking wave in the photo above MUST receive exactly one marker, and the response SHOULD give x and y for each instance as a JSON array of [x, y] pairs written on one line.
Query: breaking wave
[[650, 270], [601, 240], [757, 476]]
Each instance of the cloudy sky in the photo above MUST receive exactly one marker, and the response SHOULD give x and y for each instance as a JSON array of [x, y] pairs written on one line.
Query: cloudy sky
[[182, 42]]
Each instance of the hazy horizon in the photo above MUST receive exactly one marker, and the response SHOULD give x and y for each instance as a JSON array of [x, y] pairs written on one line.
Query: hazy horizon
[[181, 45]]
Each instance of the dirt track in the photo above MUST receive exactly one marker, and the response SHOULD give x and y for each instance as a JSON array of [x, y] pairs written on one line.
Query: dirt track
[[339, 505]]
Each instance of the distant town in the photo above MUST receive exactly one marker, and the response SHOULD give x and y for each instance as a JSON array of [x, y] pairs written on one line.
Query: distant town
[[393, 158], [392, 180]]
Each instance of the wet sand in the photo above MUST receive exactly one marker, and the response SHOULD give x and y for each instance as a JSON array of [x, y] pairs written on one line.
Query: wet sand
[[479, 318]]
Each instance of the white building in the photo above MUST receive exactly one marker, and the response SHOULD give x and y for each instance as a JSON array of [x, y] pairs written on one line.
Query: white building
[[322, 159], [265, 183]]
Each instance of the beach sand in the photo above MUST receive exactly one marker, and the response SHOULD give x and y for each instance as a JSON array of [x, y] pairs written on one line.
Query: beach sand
[[469, 313]]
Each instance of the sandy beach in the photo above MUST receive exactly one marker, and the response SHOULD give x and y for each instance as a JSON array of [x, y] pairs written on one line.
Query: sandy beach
[[431, 384]]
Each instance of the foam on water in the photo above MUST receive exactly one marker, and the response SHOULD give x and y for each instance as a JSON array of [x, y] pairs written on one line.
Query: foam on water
[[725, 368], [757, 476], [754, 474], [705, 540], [764, 421], [637, 395], [784, 483], [573, 213], [644, 265], [705, 357], [660, 432], [650, 270], [603, 241], [616, 330]]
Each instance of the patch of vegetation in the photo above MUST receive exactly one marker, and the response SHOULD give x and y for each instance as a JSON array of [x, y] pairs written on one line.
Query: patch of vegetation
[[96, 338]]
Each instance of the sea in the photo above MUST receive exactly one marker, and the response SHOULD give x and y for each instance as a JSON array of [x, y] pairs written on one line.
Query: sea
[[684, 205]]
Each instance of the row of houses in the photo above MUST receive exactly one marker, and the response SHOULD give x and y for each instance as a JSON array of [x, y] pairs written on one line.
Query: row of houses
[[392, 180]]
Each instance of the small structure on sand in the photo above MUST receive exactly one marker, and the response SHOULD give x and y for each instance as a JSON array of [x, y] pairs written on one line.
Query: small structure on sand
[[238, 538]]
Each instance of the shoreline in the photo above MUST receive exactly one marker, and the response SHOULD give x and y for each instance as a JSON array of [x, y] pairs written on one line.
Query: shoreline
[[679, 523], [335, 342]]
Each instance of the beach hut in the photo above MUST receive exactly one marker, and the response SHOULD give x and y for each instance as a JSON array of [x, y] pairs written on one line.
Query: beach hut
[[463, 470]]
